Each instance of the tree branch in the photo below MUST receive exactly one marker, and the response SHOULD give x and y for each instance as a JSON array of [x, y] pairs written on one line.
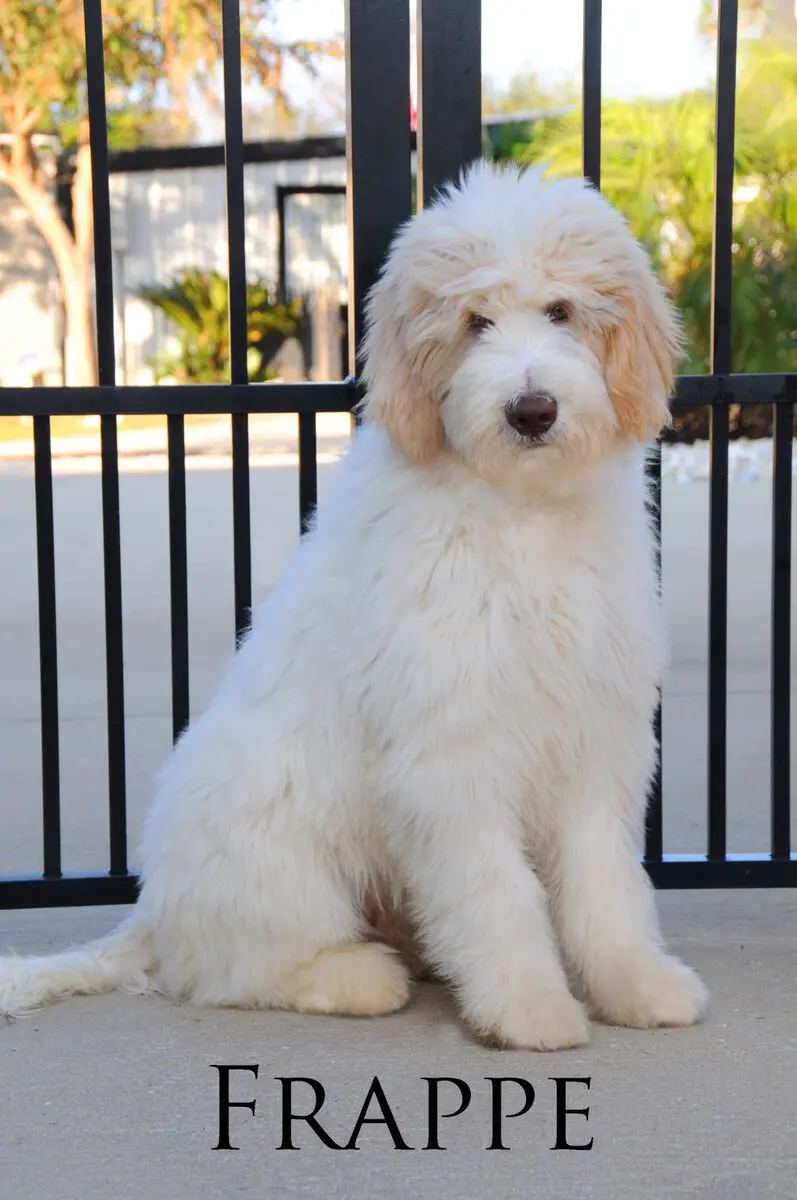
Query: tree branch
[[44, 214], [30, 121], [82, 209]]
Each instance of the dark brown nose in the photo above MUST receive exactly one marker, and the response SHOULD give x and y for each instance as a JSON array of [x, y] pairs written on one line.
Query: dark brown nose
[[531, 413]]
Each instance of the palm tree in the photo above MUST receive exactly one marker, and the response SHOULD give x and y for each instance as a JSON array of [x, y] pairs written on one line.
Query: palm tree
[[196, 304]]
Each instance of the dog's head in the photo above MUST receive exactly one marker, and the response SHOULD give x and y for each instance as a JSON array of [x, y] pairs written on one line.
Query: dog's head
[[518, 325]]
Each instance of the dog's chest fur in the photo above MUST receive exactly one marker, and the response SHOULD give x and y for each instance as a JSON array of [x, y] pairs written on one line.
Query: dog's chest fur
[[523, 620]]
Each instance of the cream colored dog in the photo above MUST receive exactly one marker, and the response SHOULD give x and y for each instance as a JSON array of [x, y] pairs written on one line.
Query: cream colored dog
[[447, 699]]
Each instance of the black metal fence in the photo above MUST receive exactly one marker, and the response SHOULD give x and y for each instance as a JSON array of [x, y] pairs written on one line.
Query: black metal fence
[[378, 147]]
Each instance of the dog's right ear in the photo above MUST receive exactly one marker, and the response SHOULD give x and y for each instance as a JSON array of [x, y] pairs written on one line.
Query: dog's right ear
[[399, 392]]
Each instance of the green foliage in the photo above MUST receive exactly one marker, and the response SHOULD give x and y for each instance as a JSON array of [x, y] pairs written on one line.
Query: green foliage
[[512, 140], [523, 104], [155, 53], [528, 94], [42, 62], [657, 167], [196, 303]]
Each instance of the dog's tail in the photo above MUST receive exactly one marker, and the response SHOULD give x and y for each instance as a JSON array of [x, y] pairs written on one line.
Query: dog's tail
[[122, 961]]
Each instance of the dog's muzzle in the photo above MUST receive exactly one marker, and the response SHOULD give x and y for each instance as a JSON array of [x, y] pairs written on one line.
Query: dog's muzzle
[[531, 414]]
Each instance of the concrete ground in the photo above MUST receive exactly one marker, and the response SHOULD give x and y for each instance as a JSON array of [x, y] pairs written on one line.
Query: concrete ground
[[117, 1095]]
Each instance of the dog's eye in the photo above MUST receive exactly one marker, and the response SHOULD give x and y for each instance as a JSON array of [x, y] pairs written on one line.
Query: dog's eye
[[478, 323], [558, 313]]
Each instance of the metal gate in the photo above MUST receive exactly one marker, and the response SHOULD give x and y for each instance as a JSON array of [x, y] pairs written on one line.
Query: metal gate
[[379, 197]]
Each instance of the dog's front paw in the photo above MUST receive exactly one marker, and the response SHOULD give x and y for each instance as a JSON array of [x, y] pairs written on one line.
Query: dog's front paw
[[543, 1020], [651, 993]]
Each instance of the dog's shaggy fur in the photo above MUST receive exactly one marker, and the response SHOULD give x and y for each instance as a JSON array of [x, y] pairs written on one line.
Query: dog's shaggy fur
[[446, 702]]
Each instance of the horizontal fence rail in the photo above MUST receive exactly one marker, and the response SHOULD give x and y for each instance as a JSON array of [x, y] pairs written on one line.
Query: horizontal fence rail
[[691, 391], [378, 147], [191, 400]]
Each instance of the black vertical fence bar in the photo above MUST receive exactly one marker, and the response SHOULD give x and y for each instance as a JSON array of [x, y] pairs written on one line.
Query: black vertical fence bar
[[379, 193], [98, 146], [448, 38], [114, 646], [654, 836], [308, 442], [178, 573], [591, 92], [780, 721], [236, 252], [106, 356], [721, 284], [308, 468], [48, 649], [282, 244]]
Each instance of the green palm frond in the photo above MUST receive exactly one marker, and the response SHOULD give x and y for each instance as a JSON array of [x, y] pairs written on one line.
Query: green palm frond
[[196, 303]]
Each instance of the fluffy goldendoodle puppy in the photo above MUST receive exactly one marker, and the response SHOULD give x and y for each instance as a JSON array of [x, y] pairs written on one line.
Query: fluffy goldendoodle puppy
[[446, 701]]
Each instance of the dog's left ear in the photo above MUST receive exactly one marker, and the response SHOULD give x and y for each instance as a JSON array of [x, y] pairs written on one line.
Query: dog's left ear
[[641, 355]]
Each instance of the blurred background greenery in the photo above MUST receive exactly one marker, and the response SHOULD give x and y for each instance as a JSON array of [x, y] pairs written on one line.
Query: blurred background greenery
[[196, 302]]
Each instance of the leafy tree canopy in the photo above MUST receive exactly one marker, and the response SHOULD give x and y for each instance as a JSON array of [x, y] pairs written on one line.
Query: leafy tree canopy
[[158, 54]]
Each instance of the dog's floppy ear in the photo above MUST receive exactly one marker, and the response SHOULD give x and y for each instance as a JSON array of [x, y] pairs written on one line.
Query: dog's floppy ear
[[641, 354], [398, 374]]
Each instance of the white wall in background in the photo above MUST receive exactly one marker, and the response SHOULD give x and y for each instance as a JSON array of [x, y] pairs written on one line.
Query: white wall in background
[[164, 221], [167, 220]]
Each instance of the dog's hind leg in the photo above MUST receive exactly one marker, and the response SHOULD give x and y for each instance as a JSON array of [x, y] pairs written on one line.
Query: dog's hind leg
[[364, 979], [257, 862], [281, 928], [350, 978]]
